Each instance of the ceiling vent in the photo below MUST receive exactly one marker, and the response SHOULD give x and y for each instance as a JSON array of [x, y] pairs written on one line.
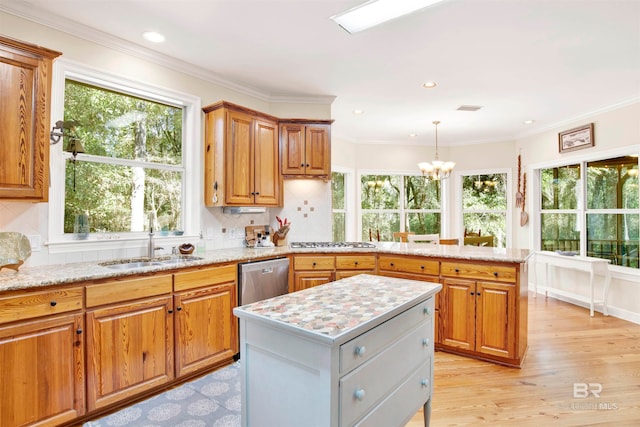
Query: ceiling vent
[[469, 108]]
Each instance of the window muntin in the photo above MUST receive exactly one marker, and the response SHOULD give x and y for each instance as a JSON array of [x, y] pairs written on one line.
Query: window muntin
[[391, 203], [132, 162], [484, 205]]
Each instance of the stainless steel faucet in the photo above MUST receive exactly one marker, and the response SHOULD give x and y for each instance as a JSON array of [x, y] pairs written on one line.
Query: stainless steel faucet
[[152, 248]]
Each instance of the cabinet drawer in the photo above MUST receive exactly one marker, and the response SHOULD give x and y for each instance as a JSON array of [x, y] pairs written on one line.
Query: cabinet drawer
[[36, 304], [496, 273], [361, 349], [126, 290], [404, 400], [367, 385], [409, 265], [206, 277], [314, 263], [355, 262]]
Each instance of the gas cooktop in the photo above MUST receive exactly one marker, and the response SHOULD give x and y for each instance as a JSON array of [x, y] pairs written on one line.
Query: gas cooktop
[[312, 245]]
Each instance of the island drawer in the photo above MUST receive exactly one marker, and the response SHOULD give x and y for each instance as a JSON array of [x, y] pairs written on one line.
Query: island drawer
[[363, 348], [37, 304], [365, 387], [205, 277], [127, 290], [409, 265], [410, 395], [496, 273], [314, 263], [355, 262]]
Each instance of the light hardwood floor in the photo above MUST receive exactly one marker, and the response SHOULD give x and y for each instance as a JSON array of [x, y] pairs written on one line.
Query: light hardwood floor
[[566, 346]]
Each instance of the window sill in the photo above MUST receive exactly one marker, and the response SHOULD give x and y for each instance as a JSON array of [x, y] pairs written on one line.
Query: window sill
[[112, 243]]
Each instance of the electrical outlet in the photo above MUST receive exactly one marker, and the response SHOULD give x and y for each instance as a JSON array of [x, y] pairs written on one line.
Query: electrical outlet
[[35, 241]]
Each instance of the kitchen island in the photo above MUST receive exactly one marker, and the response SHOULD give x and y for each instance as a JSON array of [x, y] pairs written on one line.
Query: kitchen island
[[358, 351]]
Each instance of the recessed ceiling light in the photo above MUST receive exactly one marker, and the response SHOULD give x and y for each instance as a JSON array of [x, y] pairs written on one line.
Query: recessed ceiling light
[[358, 112], [413, 135], [153, 37], [375, 12], [529, 122], [429, 85]]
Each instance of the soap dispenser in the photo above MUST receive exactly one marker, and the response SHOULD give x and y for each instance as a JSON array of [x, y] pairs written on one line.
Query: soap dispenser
[[202, 245]]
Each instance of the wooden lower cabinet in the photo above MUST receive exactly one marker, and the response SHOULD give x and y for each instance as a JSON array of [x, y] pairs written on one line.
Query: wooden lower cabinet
[[312, 270], [309, 279], [487, 318], [206, 331], [353, 264], [42, 371], [414, 268], [478, 316], [129, 349]]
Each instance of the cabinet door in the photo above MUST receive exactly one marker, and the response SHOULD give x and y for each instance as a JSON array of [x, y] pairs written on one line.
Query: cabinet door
[[129, 350], [309, 279], [267, 164], [495, 319], [239, 155], [317, 150], [206, 330], [42, 371], [457, 313], [292, 148], [25, 92]]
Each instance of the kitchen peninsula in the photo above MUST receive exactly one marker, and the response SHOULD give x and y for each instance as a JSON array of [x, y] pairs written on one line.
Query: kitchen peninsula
[[358, 351], [65, 315]]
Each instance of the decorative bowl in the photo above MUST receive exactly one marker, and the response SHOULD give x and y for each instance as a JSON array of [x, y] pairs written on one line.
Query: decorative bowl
[[15, 249]]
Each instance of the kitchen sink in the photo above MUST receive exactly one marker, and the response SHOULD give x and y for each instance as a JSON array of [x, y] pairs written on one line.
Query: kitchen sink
[[128, 264]]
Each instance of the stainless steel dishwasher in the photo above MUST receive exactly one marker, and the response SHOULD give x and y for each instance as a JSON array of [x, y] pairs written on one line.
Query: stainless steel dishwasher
[[262, 280]]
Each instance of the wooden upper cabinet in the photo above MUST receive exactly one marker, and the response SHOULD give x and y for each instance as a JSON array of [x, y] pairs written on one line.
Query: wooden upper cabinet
[[25, 96], [305, 149], [242, 163]]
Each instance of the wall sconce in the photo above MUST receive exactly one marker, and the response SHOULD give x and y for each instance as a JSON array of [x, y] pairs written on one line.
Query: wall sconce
[[58, 130], [66, 129]]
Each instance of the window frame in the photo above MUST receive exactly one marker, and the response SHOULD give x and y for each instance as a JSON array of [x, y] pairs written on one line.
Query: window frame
[[582, 209], [510, 203], [402, 211], [349, 202], [58, 241]]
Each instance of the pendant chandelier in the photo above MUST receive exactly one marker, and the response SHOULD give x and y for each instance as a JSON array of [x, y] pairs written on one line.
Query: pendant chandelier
[[437, 169]]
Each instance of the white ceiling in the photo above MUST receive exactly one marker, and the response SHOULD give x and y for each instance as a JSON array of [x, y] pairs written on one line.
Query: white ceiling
[[553, 61]]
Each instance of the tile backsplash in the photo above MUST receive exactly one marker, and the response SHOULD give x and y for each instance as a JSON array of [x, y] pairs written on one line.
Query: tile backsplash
[[307, 206]]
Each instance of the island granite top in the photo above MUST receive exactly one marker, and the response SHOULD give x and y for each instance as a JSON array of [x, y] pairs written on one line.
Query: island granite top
[[333, 311], [28, 277]]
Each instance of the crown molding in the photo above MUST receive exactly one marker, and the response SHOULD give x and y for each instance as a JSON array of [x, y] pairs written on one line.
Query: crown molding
[[85, 32]]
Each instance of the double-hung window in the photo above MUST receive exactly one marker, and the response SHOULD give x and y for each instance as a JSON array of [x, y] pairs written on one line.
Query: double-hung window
[[125, 151], [591, 208], [484, 206], [390, 203]]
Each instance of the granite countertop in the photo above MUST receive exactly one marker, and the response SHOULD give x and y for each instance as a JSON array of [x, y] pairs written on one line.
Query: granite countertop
[[46, 275], [334, 311]]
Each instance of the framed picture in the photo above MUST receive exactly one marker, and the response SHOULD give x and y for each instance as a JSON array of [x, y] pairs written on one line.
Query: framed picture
[[576, 138]]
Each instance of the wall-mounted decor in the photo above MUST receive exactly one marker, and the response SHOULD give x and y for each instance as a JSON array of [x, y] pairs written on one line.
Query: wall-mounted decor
[[576, 138]]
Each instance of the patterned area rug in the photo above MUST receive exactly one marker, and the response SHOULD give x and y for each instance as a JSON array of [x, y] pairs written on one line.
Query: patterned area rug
[[209, 401]]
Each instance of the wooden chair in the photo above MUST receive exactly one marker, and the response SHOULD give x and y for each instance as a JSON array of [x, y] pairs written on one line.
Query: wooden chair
[[401, 236], [433, 239], [454, 242], [472, 233], [479, 241]]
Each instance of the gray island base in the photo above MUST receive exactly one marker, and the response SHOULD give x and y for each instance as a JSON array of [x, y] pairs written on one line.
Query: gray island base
[[355, 352]]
